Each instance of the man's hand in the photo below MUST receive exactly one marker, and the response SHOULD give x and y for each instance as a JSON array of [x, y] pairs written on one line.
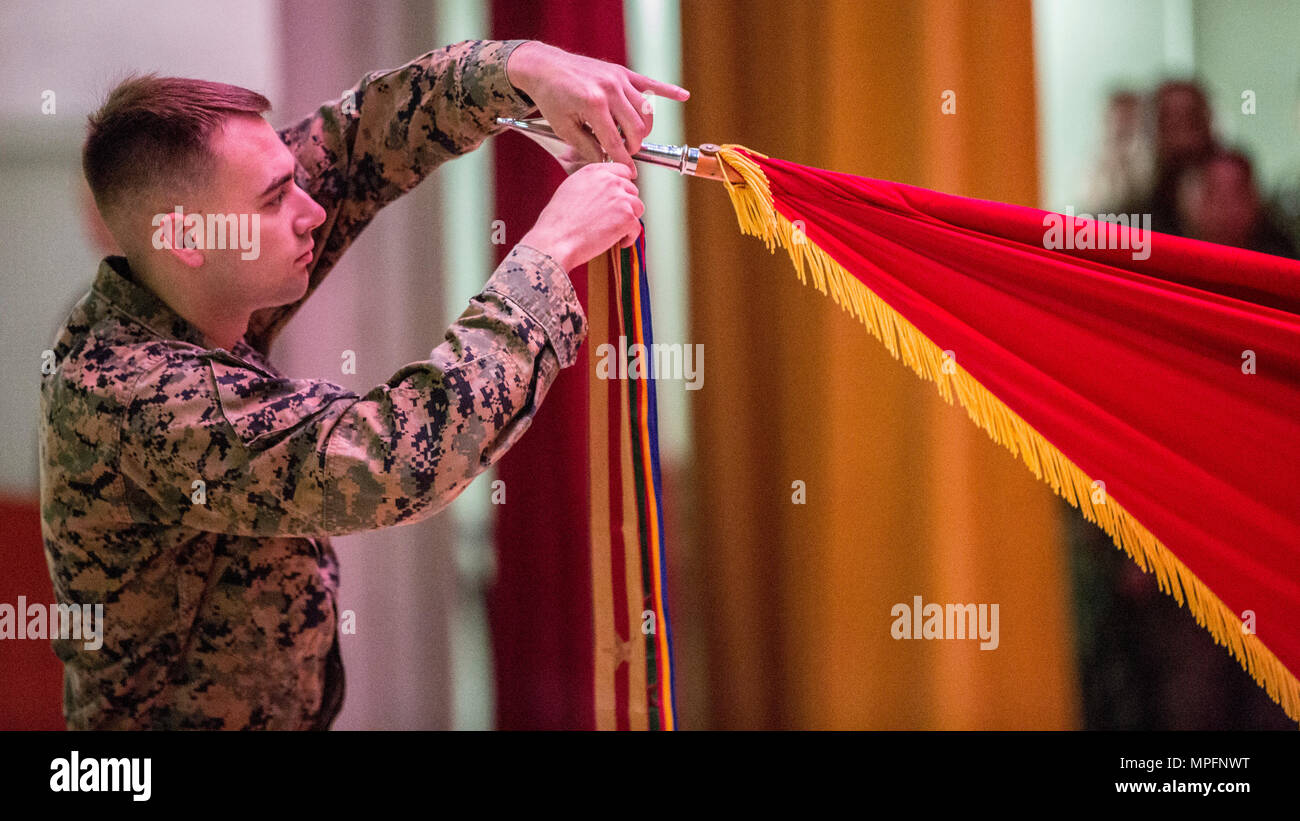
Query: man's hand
[[594, 208], [575, 93]]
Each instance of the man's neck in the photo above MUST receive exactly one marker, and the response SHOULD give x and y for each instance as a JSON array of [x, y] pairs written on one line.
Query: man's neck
[[222, 323], [224, 334]]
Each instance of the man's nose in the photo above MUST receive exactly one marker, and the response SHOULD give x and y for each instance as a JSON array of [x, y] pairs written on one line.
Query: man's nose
[[313, 215]]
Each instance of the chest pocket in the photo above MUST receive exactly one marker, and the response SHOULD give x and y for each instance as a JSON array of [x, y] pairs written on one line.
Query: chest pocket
[[263, 407]]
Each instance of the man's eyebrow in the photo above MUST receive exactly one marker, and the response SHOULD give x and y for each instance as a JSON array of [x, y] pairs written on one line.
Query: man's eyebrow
[[279, 181]]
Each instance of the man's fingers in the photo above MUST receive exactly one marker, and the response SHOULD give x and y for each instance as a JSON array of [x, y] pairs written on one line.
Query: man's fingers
[[580, 139], [644, 108], [644, 83], [615, 168], [610, 140], [631, 238], [632, 122]]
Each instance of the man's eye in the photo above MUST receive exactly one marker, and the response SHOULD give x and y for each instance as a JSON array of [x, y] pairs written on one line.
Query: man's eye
[[279, 198]]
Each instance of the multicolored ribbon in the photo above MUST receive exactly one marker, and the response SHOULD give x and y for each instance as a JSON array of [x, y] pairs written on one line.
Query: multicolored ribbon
[[633, 648]]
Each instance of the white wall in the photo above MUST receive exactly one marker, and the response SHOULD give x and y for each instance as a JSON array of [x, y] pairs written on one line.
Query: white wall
[[1254, 45], [76, 49]]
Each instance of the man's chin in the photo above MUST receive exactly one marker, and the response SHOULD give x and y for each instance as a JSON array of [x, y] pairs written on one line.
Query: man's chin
[[301, 281], [293, 286]]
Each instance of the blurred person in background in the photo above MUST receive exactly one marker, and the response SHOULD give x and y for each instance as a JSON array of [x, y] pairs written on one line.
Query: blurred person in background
[[1122, 174], [1184, 136], [1218, 201]]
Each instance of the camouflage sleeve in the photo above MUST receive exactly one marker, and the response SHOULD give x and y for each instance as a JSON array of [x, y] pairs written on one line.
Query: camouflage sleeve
[[289, 457], [386, 134]]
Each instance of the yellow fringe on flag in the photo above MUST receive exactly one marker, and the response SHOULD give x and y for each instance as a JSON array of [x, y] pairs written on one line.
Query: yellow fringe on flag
[[758, 217]]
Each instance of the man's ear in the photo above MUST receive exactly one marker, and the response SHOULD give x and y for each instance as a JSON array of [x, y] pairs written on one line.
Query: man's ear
[[180, 235]]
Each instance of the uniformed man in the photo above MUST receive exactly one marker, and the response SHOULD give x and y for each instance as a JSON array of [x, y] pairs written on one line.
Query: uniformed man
[[191, 488]]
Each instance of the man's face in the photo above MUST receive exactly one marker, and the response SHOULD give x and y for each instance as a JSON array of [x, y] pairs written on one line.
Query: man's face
[[254, 175], [1125, 118], [1220, 204]]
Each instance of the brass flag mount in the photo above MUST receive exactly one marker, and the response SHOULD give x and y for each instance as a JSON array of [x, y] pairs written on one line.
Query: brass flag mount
[[696, 162]]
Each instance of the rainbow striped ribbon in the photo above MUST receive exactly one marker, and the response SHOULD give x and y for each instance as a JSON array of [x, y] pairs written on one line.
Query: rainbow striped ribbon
[[633, 647]]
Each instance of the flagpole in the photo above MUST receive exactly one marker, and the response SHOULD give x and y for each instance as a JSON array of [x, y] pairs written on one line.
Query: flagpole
[[685, 159]]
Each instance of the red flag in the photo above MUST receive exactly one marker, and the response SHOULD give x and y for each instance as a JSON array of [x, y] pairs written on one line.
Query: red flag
[[1152, 381]]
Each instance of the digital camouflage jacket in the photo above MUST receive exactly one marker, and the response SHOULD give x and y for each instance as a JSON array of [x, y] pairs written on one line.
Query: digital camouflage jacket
[[192, 490]]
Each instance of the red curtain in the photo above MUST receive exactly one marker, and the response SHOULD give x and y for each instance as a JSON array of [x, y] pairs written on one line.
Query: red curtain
[[31, 683], [540, 606]]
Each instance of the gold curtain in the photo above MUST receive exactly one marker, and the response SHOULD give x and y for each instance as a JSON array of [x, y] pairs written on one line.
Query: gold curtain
[[783, 610]]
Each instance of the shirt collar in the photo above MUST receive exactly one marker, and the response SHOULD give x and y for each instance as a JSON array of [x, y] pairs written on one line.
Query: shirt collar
[[117, 284]]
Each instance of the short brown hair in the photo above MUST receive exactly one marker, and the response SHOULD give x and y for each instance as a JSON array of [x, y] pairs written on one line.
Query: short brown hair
[[154, 133]]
